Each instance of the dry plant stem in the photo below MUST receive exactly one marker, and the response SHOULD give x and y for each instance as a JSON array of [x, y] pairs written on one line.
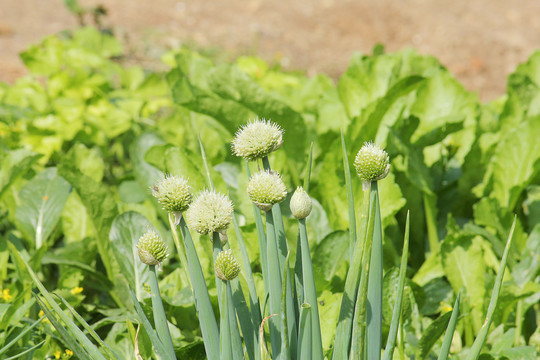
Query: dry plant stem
[[181, 250]]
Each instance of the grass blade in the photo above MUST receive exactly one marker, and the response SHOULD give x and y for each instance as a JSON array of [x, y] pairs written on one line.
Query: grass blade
[[482, 334], [445, 348], [158, 345], [87, 327], [431, 335], [310, 292], [392, 334], [26, 351], [66, 336], [207, 319], [374, 293], [160, 319], [71, 326], [307, 177], [21, 334], [205, 163], [350, 198]]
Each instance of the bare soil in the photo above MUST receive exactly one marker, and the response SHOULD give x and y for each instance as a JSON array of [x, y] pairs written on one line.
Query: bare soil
[[480, 41]]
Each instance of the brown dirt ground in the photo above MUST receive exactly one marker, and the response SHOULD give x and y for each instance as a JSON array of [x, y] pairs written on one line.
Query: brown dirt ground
[[480, 41]]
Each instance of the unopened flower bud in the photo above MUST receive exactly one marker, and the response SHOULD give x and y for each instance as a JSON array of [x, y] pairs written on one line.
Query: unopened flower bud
[[223, 238], [152, 250], [173, 193], [257, 139], [210, 212], [301, 203], [226, 266], [265, 189], [372, 163]]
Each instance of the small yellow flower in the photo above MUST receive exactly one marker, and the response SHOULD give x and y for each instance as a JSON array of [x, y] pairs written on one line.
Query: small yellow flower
[[6, 295], [77, 290], [68, 354], [444, 307], [57, 354], [45, 320], [146, 288]]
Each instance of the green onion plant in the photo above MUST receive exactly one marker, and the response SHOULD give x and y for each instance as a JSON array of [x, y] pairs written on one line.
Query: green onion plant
[[289, 302]]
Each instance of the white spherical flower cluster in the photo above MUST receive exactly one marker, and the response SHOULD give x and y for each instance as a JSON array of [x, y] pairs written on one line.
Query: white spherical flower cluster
[[173, 193], [210, 212], [152, 250], [226, 266], [257, 139], [372, 163], [265, 189]]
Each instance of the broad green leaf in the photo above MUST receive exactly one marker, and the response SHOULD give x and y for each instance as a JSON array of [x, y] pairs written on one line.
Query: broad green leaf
[[531, 206], [100, 205], [125, 232], [329, 258], [529, 265], [229, 113], [42, 200], [89, 161], [437, 292], [14, 164], [515, 163], [462, 260], [76, 223], [480, 339], [146, 174], [431, 335], [392, 199], [97, 41], [442, 99], [44, 58]]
